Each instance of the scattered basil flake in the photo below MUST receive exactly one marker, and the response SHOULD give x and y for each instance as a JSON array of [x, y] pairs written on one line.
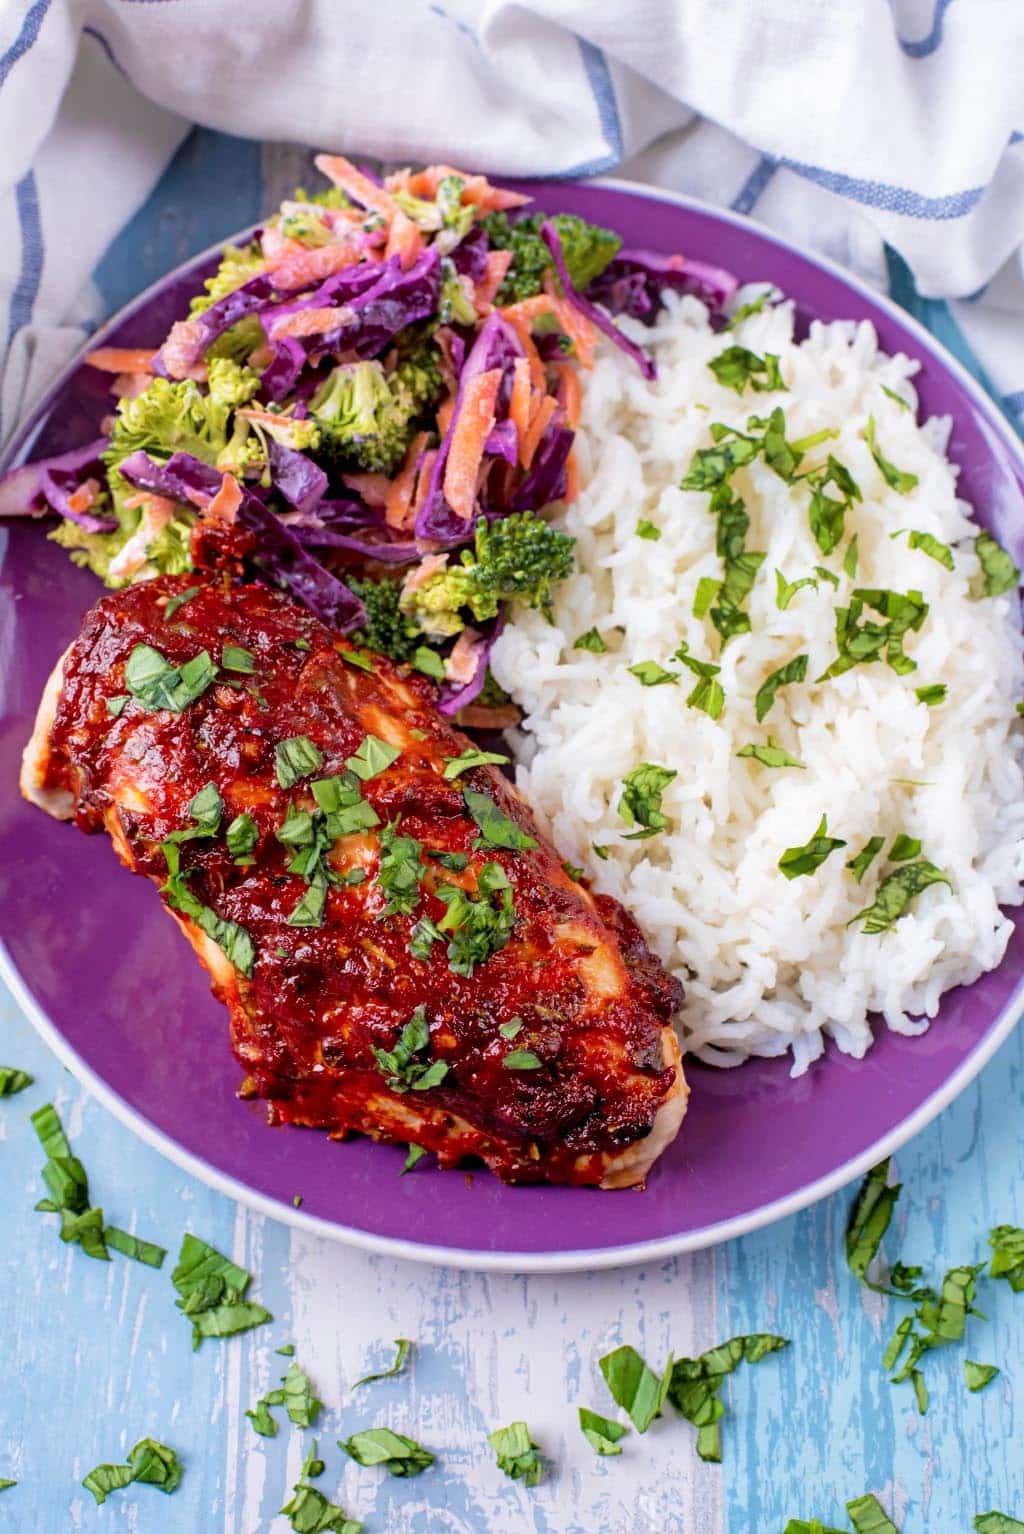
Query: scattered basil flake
[[977, 1376], [826, 513], [770, 754], [517, 1455], [232, 938], [897, 398], [5, 1484], [259, 1415], [754, 306], [860, 864], [206, 809], [645, 529], [649, 674], [591, 641], [895, 893], [173, 603], [456, 862], [403, 1344], [933, 547], [360, 659], [399, 871], [601, 852], [296, 758], [862, 642], [211, 1290], [712, 466], [415, 1156], [601, 1433], [794, 670], [785, 590], [572, 870], [850, 557], [707, 695], [427, 661], [146, 1252], [400, 1067], [150, 1463], [309, 1512], [932, 694], [896, 479], [705, 595], [904, 848], [286, 1350], [999, 574], [522, 1060], [155, 684], [640, 802], [234, 657], [797, 862], [298, 1397], [736, 367], [470, 758], [372, 757], [104, 1479], [997, 1523], [12, 1080], [399, 1455], [117, 705], [476, 929], [496, 829], [302, 643], [827, 575], [694, 1385], [511, 1029], [242, 835], [1007, 1243], [868, 1221], [296, 1200], [635, 1387], [867, 1516]]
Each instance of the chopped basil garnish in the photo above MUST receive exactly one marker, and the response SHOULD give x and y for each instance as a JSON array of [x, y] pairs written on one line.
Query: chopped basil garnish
[[977, 1376], [649, 674], [230, 936], [785, 590], [496, 829], [5, 1484], [211, 1290], [645, 529], [68, 1188], [932, 694], [117, 705], [235, 657], [635, 1387], [737, 367], [302, 643], [601, 1433], [867, 1517], [156, 684], [309, 1511], [309, 909], [427, 661], [694, 1385], [476, 929], [868, 1221], [472, 757], [415, 1156], [897, 398], [259, 1415], [860, 864], [591, 641], [13, 1081], [173, 603], [242, 835], [296, 758], [711, 466], [399, 1065], [599, 851], [770, 755], [827, 575], [851, 556], [371, 758], [149, 1462], [511, 1029], [456, 862], [399, 1455], [357, 658], [206, 809], [571, 869], [286, 1350], [707, 695], [754, 306], [940, 552], [796, 862], [904, 848], [522, 1060], [1007, 1243], [794, 670], [827, 515], [403, 1344], [517, 1455], [400, 871], [705, 595], [896, 479], [640, 802], [997, 1523], [895, 893], [998, 571], [146, 1252], [860, 643]]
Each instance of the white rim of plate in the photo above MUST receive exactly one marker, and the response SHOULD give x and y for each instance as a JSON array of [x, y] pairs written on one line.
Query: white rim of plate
[[588, 1259]]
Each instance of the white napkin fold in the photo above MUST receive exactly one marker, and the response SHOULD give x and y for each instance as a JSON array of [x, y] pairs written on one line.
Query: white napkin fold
[[844, 124]]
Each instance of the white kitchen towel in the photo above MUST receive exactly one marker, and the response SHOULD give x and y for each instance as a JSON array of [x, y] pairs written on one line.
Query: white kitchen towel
[[845, 124]]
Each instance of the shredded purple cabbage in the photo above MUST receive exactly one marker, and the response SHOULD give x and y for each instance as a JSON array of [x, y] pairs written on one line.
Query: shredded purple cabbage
[[285, 560], [549, 234], [182, 478], [44, 486], [302, 482], [281, 374], [469, 257], [547, 478], [454, 696], [634, 280]]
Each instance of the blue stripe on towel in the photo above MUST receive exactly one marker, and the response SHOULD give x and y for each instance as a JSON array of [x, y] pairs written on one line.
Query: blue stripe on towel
[[922, 47], [755, 184], [890, 199], [25, 38]]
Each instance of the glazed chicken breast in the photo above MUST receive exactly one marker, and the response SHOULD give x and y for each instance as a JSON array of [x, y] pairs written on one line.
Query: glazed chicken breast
[[402, 953]]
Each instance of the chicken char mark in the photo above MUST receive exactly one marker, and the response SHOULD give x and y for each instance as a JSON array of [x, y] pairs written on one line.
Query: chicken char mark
[[553, 1027]]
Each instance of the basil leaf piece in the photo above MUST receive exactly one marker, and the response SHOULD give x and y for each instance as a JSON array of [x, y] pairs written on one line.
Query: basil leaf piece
[[997, 1523], [211, 1290], [472, 757], [636, 1388], [310, 907], [476, 928], [150, 1463], [928, 544], [599, 851], [897, 398], [601, 1433], [998, 571], [1007, 1243], [736, 368], [810, 1526], [173, 603], [517, 1455], [896, 479], [944, 1316], [234, 657], [5, 1484], [754, 306], [649, 674], [496, 829], [522, 1060], [146, 1252], [591, 641], [869, 1219], [360, 659], [242, 835], [640, 802], [573, 871], [399, 1455], [860, 864], [298, 1397], [427, 661], [338, 793], [312, 1465], [904, 848], [708, 695], [648, 530], [399, 871], [511, 1029], [259, 1415], [851, 556], [977, 1376], [894, 894], [403, 1344], [117, 705], [155, 684], [827, 575], [695, 1384], [866, 1514], [705, 595], [770, 754], [897, 1342], [712, 466], [287, 1350], [785, 590], [794, 670], [932, 694], [400, 1066], [206, 809], [13, 1081], [107, 1478], [230, 936], [415, 1156], [796, 862], [309, 1512], [372, 757], [296, 758], [50, 1132]]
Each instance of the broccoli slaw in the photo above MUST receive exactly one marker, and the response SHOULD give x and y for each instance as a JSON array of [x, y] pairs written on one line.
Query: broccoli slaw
[[375, 399]]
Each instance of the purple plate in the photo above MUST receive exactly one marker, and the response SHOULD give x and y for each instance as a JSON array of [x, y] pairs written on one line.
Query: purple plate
[[117, 992]]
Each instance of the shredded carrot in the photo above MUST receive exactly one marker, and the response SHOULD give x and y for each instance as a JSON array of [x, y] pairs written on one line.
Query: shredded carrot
[[404, 240], [277, 247], [420, 574], [372, 487], [178, 352], [130, 385], [161, 505], [224, 505], [302, 269], [355, 185], [519, 404], [122, 359], [496, 264], [398, 506], [569, 394], [445, 410], [461, 663], [473, 426], [308, 322], [85, 496], [572, 477], [491, 199], [422, 483], [476, 190], [544, 409], [522, 329], [576, 326]]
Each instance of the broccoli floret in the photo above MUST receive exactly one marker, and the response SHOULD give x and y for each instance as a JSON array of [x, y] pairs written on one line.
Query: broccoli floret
[[456, 304], [587, 249], [92, 551], [517, 558], [237, 265], [447, 215], [330, 197], [230, 383], [387, 630], [169, 418], [363, 425], [417, 381]]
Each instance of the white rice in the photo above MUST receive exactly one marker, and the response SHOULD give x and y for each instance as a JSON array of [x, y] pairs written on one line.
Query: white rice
[[770, 965]]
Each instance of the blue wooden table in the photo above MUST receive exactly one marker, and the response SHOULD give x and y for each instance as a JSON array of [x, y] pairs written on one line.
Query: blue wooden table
[[95, 1356]]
